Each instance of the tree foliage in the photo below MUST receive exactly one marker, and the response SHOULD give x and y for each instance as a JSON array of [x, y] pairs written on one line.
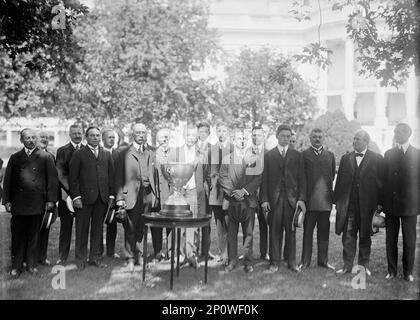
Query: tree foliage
[[388, 55], [263, 87]]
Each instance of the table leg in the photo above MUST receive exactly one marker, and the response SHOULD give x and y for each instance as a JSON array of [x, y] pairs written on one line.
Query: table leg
[[178, 250], [206, 258], [172, 257], [144, 251]]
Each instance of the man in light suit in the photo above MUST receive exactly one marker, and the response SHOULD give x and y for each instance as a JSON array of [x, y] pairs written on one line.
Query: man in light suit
[[219, 150], [64, 155], [357, 194], [401, 201], [194, 191], [240, 184], [283, 189], [136, 190], [30, 188], [92, 191]]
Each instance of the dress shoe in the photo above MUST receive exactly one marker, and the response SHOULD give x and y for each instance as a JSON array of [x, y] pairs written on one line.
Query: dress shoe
[[15, 273], [33, 271], [61, 261], [265, 257], [303, 266], [212, 256], [193, 261], [130, 265], [294, 269], [326, 266], [230, 267], [368, 272], [249, 269], [390, 276], [409, 278], [45, 262], [241, 257], [343, 271], [97, 264], [273, 268]]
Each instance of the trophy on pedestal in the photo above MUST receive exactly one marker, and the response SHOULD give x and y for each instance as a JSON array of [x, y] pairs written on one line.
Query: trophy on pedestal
[[177, 174]]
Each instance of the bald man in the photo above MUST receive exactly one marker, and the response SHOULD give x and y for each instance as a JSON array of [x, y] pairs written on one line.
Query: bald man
[[30, 187], [357, 195], [135, 186], [401, 201]]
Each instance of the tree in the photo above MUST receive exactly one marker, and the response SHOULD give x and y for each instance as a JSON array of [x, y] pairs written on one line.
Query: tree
[[140, 58], [338, 132], [36, 59], [263, 87], [386, 57]]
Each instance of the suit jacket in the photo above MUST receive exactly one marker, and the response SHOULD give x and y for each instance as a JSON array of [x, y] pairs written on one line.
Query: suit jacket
[[30, 182], [128, 181], [164, 188], [235, 174], [91, 177], [402, 182], [295, 180], [201, 171], [320, 172], [62, 163], [370, 190], [216, 155]]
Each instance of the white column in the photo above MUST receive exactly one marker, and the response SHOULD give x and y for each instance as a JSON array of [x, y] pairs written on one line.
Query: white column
[[322, 91], [381, 99], [411, 97], [348, 96], [9, 138]]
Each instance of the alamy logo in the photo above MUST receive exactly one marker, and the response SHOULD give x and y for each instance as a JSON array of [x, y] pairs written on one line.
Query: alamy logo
[[59, 280], [59, 20], [359, 280]]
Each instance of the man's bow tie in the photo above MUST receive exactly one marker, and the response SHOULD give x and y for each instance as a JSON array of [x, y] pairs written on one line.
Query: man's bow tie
[[359, 154]]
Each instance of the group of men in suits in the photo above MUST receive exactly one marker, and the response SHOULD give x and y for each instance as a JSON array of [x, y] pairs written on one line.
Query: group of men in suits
[[232, 182]]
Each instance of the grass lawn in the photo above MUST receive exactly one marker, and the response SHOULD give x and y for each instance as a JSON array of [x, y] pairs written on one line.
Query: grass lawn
[[114, 282]]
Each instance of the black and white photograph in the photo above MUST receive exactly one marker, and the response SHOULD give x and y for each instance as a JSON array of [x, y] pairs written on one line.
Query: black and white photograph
[[219, 151]]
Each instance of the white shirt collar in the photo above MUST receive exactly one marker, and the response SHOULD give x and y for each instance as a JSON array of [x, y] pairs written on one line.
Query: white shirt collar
[[223, 144], [28, 150], [404, 146], [137, 146], [109, 150], [75, 144], [281, 148], [92, 147]]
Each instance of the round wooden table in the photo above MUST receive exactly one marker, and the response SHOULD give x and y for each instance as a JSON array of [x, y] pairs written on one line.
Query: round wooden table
[[157, 220]]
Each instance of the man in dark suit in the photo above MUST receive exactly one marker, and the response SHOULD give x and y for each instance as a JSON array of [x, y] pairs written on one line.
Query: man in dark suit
[[320, 172], [258, 148], [219, 150], [401, 201], [64, 155], [240, 184], [43, 141], [108, 140], [283, 189], [92, 191], [30, 187], [357, 194], [136, 191]]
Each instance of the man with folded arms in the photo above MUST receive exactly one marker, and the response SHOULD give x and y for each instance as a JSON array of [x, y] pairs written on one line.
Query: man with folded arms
[[401, 201], [92, 190], [30, 188], [240, 184], [320, 172]]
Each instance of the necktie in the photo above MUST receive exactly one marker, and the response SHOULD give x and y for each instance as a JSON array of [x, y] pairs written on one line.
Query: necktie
[[359, 154], [28, 152], [283, 153], [77, 147]]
